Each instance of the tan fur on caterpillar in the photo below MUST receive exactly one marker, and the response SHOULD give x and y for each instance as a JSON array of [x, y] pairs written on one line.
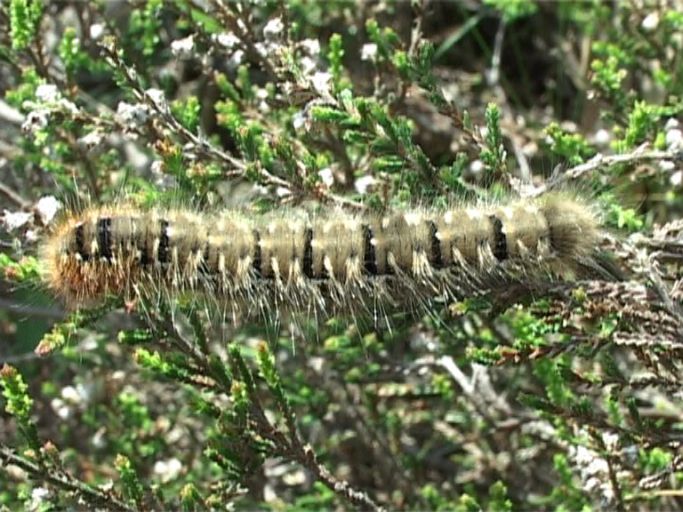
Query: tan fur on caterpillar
[[316, 263]]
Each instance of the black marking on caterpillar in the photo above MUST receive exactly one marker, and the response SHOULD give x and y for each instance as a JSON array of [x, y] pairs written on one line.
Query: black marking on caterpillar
[[436, 259], [104, 237], [80, 242], [327, 262], [308, 253], [369, 255], [257, 253], [163, 249], [500, 246]]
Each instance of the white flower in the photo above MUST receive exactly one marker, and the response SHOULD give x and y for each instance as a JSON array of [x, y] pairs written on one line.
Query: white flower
[[78, 394], [326, 176], [310, 46], [261, 49], [96, 31], [611, 440], [158, 97], [36, 120], [70, 394], [308, 65], [676, 179], [263, 107], [477, 167], [602, 137], [666, 165], [46, 208], [98, 439], [182, 48], [583, 455], [61, 409], [67, 106], [368, 52], [132, 115], [31, 236], [650, 22], [283, 192], [167, 470], [321, 83], [596, 466], [300, 120], [92, 139], [227, 40], [157, 168], [364, 183], [674, 139], [236, 59], [273, 28], [671, 123], [15, 220], [38, 497], [47, 93]]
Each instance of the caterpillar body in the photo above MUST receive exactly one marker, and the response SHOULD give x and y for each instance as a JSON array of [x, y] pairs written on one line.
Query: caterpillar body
[[313, 263]]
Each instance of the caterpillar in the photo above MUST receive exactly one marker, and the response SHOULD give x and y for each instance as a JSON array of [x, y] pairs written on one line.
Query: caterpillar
[[312, 263]]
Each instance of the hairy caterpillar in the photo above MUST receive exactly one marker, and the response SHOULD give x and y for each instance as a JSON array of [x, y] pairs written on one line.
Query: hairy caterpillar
[[311, 263]]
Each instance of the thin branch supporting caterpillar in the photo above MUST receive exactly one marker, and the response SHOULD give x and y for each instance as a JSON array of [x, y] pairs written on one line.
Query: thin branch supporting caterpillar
[[316, 263]]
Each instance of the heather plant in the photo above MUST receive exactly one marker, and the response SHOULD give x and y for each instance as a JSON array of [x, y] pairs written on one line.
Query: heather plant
[[561, 394]]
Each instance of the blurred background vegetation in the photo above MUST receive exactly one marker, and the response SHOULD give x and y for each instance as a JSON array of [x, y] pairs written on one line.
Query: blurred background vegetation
[[566, 397]]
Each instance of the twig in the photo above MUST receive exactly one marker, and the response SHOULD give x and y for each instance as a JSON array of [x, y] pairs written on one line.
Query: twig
[[653, 495], [640, 154], [493, 74], [616, 488], [93, 496], [13, 196], [308, 458]]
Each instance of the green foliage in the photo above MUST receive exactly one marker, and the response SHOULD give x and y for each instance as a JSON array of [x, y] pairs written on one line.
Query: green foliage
[[498, 498], [145, 25], [191, 500], [642, 120], [27, 269], [566, 496], [25, 90], [552, 374], [493, 153], [187, 112], [19, 404], [25, 16], [570, 147], [335, 55], [71, 53], [61, 332], [654, 460], [608, 77], [130, 482], [512, 10]]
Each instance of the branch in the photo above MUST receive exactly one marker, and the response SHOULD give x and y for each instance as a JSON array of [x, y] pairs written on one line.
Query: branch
[[638, 155], [306, 456], [93, 496]]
